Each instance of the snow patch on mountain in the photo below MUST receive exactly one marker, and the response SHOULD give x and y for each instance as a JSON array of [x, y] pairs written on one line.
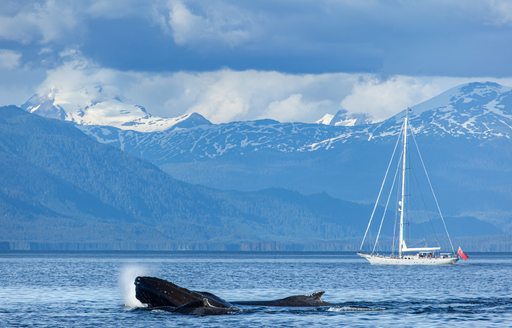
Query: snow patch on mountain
[[344, 118], [325, 120], [98, 109]]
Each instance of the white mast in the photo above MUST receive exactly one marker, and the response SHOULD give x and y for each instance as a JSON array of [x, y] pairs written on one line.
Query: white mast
[[402, 202]]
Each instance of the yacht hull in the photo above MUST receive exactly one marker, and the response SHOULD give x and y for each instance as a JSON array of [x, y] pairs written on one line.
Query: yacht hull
[[408, 260]]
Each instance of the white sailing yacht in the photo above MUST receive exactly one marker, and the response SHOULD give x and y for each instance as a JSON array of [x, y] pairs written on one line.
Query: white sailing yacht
[[405, 255]]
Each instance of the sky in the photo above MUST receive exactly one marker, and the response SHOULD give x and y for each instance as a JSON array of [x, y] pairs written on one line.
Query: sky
[[290, 60]]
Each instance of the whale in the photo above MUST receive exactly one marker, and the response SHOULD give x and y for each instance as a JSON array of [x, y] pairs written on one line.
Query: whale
[[157, 293]]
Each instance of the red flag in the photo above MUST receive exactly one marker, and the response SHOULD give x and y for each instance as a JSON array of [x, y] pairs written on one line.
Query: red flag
[[461, 254]]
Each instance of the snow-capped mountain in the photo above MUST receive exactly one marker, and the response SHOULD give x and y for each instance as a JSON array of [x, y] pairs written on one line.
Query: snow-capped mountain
[[105, 111], [344, 118], [472, 111]]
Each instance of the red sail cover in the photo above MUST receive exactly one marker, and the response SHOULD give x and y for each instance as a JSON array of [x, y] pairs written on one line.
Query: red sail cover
[[461, 254]]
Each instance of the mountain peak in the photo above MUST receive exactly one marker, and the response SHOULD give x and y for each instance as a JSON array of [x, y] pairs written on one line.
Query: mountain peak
[[474, 97], [190, 120], [344, 118], [480, 110], [96, 108], [45, 106]]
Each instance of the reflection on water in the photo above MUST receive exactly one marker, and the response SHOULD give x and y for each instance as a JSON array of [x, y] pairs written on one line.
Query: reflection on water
[[92, 289]]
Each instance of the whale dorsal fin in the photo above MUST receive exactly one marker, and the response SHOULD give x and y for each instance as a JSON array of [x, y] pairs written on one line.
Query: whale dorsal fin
[[317, 295]]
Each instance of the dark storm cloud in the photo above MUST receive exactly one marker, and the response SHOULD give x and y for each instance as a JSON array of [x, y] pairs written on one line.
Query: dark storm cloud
[[448, 38]]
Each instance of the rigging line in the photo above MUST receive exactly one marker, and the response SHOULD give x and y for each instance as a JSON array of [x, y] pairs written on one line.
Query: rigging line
[[408, 197], [394, 228], [381, 187], [433, 193], [387, 203]]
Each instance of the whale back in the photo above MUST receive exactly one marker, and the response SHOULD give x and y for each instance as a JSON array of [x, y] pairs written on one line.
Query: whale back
[[313, 299]]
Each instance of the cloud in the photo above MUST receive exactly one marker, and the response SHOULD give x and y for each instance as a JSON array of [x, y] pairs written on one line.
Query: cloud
[[222, 96], [227, 95], [17, 82], [78, 82], [500, 12], [384, 97], [45, 22], [211, 23], [294, 108], [442, 38], [9, 59], [237, 60], [115, 9]]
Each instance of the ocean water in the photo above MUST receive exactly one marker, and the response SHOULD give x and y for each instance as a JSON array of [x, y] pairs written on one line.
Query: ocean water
[[96, 290]]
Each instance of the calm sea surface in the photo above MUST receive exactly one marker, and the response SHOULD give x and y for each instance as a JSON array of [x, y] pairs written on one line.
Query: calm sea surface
[[96, 289]]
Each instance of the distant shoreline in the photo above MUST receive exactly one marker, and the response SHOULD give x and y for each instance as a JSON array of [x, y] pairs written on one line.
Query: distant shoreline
[[212, 252]]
